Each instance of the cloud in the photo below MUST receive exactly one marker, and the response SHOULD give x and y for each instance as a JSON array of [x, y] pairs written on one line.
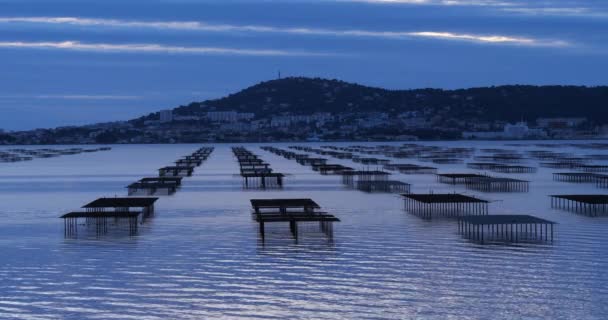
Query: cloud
[[489, 39], [206, 27], [390, 1], [491, 3], [563, 12], [153, 48], [536, 8]]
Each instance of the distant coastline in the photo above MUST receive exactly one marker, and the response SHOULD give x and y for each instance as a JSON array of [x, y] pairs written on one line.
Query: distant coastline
[[316, 110], [598, 139]]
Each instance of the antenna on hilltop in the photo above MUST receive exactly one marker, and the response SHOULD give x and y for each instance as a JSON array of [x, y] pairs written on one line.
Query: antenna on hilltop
[[279, 75]]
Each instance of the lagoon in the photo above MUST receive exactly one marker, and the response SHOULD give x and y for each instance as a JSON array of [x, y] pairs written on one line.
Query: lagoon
[[201, 257]]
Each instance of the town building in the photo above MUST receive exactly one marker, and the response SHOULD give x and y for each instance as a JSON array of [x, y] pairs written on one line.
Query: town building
[[166, 116], [560, 122], [229, 116], [519, 130]]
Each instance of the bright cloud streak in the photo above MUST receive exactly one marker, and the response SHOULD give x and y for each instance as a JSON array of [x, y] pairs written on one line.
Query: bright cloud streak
[[557, 8], [491, 3], [152, 48], [562, 12], [205, 27], [391, 1], [490, 39]]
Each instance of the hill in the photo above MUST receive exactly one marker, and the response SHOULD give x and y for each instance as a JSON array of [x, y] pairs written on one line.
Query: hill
[[506, 103]]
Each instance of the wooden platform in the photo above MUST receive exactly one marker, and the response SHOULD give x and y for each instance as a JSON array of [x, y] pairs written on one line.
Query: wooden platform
[[591, 168], [123, 202], [350, 178], [99, 213], [262, 180], [497, 184], [504, 168], [255, 172], [575, 177], [328, 169], [152, 185], [457, 178], [506, 228], [291, 211], [406, 168], [176, 171], [389, 186], [587, 204], [432, 205]]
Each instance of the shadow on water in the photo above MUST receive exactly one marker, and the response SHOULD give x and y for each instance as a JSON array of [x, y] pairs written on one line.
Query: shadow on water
[[280, 242], [302, 234]]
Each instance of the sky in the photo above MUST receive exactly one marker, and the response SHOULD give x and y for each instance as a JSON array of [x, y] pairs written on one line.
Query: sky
[[72, 62]]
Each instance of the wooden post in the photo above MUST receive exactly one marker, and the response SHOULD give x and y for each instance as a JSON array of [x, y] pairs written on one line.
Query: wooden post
[[262, 229]]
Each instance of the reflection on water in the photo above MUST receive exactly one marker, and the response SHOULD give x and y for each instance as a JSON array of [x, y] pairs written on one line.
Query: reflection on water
[[201, 256]]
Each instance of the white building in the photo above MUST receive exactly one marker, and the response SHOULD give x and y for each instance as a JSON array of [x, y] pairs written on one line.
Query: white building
[[186, 118], [229, 116], [603, 131], [257, 124], [516, 131], [222, 116], [285, 121], [166, 116], [519, 130], [560, 122]]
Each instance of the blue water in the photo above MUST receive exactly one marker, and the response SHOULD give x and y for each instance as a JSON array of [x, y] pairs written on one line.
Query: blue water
[[200, 256]]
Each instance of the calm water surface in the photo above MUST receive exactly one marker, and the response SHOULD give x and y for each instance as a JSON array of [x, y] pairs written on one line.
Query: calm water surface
[[200, 256]]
